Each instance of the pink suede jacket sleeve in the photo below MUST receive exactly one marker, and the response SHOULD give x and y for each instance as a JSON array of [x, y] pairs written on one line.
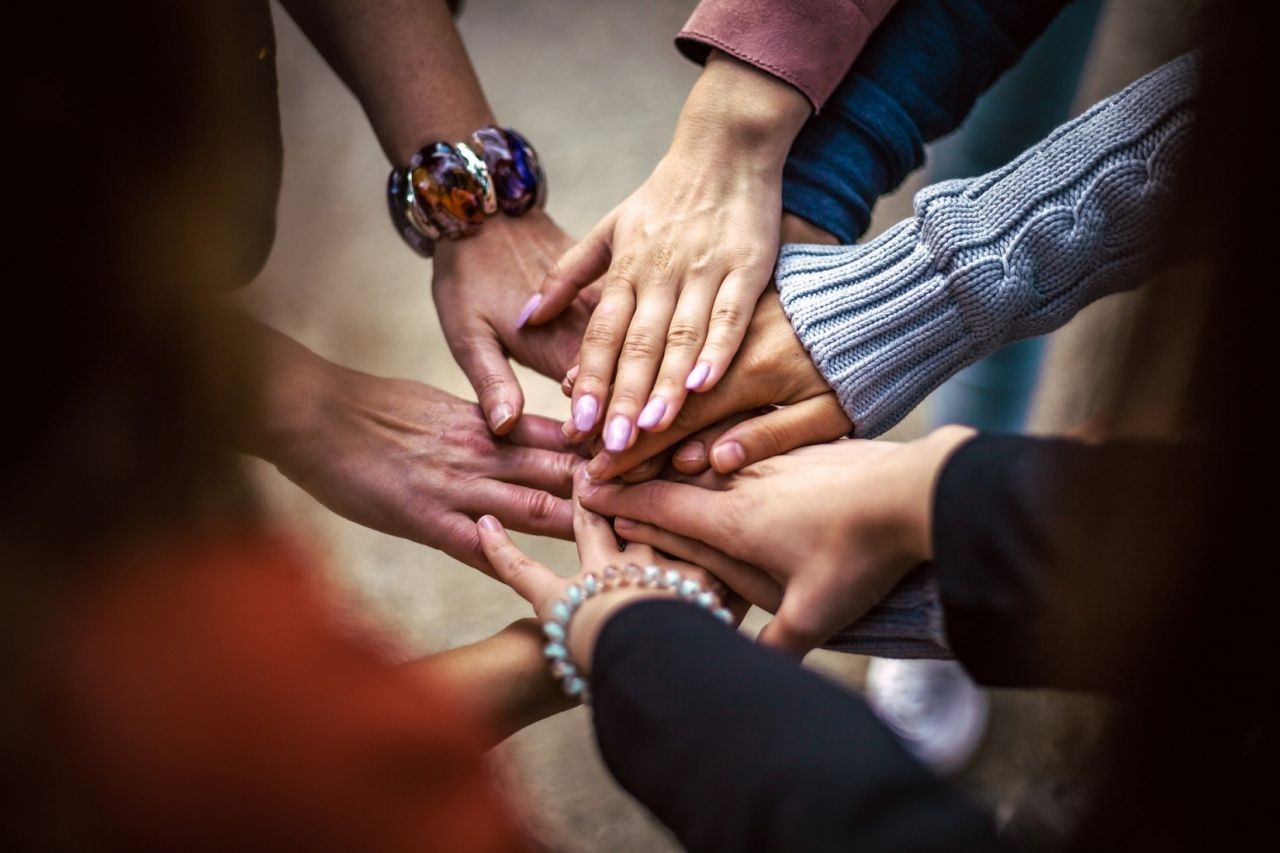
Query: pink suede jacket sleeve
[[809, 43]]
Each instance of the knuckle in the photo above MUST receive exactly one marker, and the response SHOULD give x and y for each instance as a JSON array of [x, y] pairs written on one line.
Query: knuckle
[[683, 335], [642, 346], [602, 333], [541, 506], [728, 315]]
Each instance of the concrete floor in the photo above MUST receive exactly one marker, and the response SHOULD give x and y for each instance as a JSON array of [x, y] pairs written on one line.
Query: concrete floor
[[597, 86]]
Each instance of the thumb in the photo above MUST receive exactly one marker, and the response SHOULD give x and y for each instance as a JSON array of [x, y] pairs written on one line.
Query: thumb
[[813, 421], [531, 580], [796, 628], [481, 358], [577, 269]]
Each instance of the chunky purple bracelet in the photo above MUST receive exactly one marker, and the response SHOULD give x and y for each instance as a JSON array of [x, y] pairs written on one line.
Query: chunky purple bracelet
[[448, 190]]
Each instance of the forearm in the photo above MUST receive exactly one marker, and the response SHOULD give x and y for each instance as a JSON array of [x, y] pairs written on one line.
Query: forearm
[[918, 78], [736, 109], [503, 679], [1011, 254], [733, 746], [1043, 550], [405, 63]]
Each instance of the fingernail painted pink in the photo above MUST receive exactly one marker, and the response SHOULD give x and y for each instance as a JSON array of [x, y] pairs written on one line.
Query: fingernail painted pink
[[618, 434], [652, 413], [488, 522], [728, 456], [698, 375], [527, 311], [585, 410]]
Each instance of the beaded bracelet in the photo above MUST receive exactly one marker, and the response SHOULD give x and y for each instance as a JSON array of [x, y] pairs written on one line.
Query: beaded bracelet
[[562, 611], [448, 190]]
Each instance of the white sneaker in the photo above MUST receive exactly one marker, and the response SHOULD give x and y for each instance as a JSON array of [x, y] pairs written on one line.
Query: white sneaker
[[933, 706]]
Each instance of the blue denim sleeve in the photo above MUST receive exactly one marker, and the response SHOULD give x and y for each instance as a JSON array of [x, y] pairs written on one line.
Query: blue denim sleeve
[[919, 76]]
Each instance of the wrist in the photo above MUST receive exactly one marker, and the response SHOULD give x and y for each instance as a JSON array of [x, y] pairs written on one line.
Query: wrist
[[735, 108], [929, 456], [295, 385], [797, 229], [595, 613]]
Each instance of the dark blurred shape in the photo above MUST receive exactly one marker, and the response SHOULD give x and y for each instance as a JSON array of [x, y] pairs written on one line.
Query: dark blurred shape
[[171, 678]]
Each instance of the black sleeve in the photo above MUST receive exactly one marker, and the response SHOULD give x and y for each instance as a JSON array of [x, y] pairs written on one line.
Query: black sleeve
[[735, 747], [1043, 549]]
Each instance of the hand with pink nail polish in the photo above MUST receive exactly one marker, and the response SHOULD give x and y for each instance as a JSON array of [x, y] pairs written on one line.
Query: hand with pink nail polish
[[684, 259], [736, 423], [486, 289]]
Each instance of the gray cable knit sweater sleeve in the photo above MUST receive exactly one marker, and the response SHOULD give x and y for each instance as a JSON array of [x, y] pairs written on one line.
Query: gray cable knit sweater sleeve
[[1011, 254]]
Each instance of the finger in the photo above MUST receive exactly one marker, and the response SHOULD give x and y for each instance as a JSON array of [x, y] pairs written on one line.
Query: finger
[[746, 580], [531, 580], [575, 270], [481, 358], [597, 546], [734, 305], [813, 421], [566, 384], [694, 455], [601, 344], [686, 335], [543, 470], [638, 365], [520, 508], [797, 628], [647, 469], [456, 535], [689, 510], [537, 431], [699, 411]]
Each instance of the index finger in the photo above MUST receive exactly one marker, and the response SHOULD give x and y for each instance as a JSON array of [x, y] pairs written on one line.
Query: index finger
[[699, 411], [689, 510]]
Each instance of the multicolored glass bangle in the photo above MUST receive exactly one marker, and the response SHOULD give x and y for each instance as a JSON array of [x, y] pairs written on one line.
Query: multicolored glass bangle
[[448, 190]]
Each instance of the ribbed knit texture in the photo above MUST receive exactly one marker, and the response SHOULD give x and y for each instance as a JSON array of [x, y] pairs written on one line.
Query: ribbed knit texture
[[908, 623], [1011, 254]]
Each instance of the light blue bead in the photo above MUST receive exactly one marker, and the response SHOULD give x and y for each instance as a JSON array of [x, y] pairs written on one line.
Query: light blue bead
[[671, 579], [575, 595], [651, 575], [560, 610], [563, 669], [554, 631], [591, 585], [723, 615], [705, 599], [689, 588], [555, 651], [575, 686]]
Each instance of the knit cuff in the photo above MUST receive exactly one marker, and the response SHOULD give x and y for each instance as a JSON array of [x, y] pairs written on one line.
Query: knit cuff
[[1014, 253], [909, 623], [882, 331]]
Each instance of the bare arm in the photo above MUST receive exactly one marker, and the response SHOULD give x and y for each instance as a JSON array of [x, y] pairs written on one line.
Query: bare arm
[[503, 679], [404, 61]]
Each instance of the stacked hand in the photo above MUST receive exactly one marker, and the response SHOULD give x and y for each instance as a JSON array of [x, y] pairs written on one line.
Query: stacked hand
[[480, 284], [724, 427], [597, 549], [408, 459], [684, 259], [818, 535]]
